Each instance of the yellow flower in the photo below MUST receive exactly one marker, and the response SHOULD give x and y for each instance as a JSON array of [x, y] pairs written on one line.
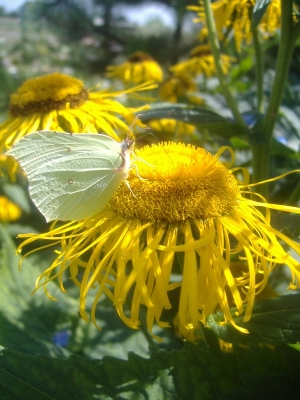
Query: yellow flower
[[176, 87], [187, 217], [236, 15], [139, 68], [171, 128], [10, 166], [60, 102], [201, 61], [9, 211]]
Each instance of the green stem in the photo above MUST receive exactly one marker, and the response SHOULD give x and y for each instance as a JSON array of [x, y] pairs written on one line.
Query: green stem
[[215, 49], [261, 153], [259, 69]]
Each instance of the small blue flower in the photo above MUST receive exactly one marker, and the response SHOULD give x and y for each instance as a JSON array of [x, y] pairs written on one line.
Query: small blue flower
[[61, 338]]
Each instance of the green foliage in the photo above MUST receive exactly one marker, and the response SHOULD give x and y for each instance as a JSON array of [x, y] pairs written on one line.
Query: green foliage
[[259, 9], [115, 363], [194, 372], [273, 321], [21, 328], [198, 116], [28, 326]]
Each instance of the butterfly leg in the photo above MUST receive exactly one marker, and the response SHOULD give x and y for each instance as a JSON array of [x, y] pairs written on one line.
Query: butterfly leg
[[127, 184]]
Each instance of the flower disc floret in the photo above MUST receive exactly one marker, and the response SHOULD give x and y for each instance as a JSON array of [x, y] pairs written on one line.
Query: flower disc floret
[[47, 93], [178, 182]]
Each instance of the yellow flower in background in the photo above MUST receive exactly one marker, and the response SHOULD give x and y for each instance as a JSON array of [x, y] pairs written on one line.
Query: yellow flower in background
[[139, 68], [187, 217], [171, 127], [236, 15], [201, 61], [61, 102], [9, 211], [176, 86], [9, 166]]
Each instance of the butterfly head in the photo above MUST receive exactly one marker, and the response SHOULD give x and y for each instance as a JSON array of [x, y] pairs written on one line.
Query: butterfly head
[[127, 145]]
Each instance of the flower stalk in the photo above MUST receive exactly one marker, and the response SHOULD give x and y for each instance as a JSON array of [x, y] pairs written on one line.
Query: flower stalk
[[261, 152], [215, 49], [259, 70]]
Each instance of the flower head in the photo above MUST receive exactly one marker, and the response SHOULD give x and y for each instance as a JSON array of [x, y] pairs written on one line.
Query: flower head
[[60, 102], [139, 68], [201, 61], [190, 207], [175, 87], [9, 166], [170, 128], [9, 211], [236, 15]]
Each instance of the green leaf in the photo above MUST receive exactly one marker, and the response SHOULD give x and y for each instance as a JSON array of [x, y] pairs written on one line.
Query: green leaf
[[273, 386], [259, 9], [238, 143], [196, 372], [198, 116], [280, 149], [18, 195], [273, 321], [21, 326]]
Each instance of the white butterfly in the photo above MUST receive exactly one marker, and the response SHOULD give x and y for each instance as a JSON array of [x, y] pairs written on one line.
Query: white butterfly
[[72, 176]]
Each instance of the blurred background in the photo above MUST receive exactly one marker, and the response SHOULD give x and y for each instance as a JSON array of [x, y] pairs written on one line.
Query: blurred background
[[82, 37]]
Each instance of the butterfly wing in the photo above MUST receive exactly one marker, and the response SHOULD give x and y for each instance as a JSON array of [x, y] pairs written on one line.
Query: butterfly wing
[[71, 177]]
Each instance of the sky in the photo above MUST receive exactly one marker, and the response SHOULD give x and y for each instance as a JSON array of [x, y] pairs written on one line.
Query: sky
[[11, 5]]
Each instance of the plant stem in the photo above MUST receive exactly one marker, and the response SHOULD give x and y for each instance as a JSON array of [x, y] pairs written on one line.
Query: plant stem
[[261, 153], [215, 49], [259, 70]]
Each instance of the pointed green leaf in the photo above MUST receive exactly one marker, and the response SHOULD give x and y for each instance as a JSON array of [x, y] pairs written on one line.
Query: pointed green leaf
[[259, 9], [273, 321], [18, 195], [198, 116], [280, 149]]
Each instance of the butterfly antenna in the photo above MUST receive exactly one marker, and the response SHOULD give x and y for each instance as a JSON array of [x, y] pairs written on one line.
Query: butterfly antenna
[[149, 132], [131, 126], [156, 138]]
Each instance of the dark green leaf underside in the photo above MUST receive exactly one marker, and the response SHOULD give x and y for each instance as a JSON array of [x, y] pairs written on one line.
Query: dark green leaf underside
[[196, 372], [259, 9], [198, 116], [273, 321]]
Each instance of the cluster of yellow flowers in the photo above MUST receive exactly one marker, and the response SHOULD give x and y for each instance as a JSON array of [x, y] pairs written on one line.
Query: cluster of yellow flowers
[[235, 16], [189, 206]]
